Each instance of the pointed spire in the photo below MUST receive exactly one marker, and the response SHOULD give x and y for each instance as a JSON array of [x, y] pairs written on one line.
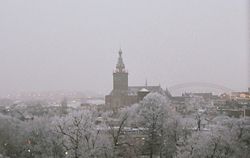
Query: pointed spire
[[120, 65]]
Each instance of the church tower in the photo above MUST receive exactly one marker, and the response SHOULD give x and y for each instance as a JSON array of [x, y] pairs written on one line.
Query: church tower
[[120, 77], [123, 95]]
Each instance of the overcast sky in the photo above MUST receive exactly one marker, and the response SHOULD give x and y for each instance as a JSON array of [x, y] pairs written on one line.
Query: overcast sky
[[73, 44]]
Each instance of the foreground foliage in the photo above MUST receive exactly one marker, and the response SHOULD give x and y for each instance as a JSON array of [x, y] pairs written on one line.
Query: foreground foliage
[[151, 128]]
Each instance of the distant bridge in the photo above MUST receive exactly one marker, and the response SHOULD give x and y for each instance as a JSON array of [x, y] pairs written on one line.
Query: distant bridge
[[199, 85]]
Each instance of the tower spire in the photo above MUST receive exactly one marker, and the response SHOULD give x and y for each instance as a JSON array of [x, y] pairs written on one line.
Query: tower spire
[[120, 66], [120, 77]]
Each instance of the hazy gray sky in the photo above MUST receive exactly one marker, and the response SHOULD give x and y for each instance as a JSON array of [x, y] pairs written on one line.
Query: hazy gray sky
[[73, 44]]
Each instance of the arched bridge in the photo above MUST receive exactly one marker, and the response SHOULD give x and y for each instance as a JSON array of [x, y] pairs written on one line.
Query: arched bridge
[[199, 85]]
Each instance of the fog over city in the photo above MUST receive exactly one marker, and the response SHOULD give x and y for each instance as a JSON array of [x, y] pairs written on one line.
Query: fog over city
[[124, 79], [73, 45]]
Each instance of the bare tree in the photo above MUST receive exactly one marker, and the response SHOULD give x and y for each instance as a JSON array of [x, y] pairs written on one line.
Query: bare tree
[[119, 127], [82, 137]]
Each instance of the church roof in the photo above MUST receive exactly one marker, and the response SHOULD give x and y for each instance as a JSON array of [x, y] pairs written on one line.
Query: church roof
[[135, 89]]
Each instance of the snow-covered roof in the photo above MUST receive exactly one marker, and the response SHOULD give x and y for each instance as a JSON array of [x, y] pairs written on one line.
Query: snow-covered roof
[[133, 90], [144, 90]]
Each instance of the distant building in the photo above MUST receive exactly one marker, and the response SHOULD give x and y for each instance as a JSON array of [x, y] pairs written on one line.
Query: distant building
[[122, 94], [205, 96], [242, 98]]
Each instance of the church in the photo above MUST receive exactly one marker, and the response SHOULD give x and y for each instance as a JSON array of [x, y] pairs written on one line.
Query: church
[[124, 95]]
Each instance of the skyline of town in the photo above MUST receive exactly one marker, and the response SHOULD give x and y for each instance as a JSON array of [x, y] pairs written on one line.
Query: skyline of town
[[175, 90]]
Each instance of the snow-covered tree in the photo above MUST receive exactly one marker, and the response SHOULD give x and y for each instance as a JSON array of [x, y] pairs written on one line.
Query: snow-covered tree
[[11, 136], [159, 126], [41, 139], [228, 138], [119, 129], [82, 137]]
